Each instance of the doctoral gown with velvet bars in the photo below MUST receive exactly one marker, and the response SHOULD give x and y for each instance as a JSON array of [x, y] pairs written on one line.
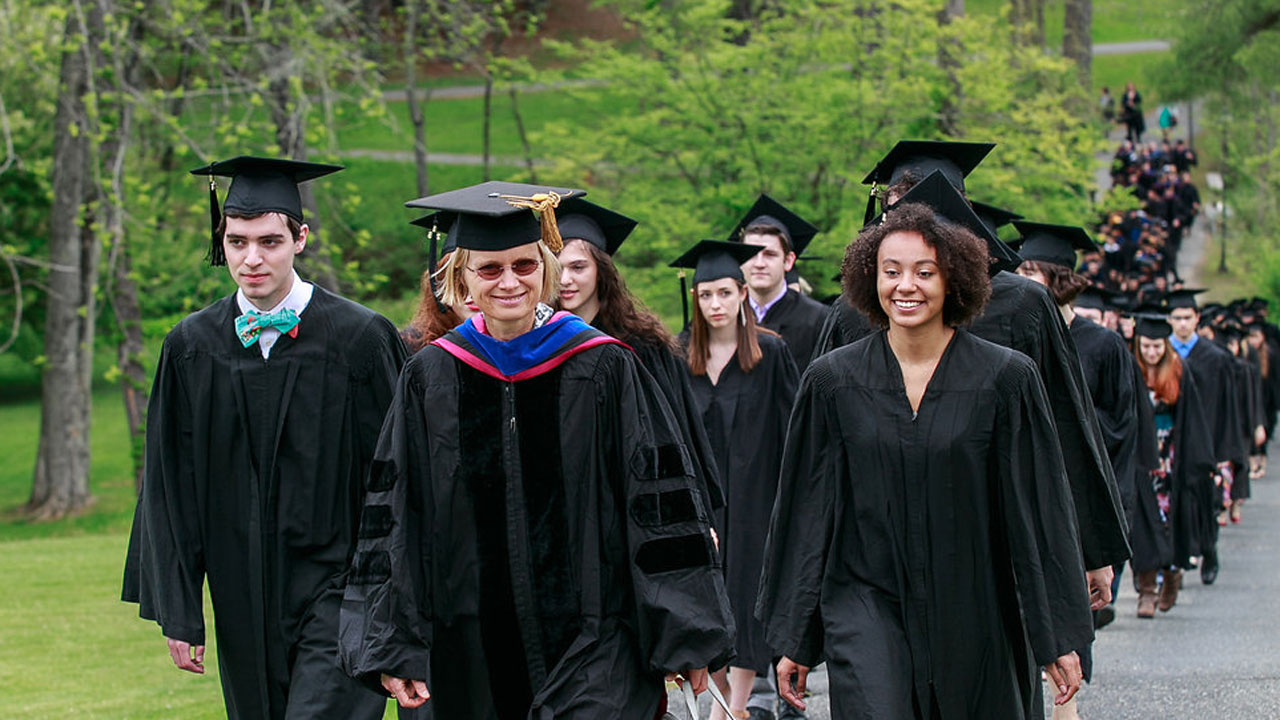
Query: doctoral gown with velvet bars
[[534, 544], [798, 318], [746, 419], [1021, 316], [254, 480], [672, 376], [930, 559]]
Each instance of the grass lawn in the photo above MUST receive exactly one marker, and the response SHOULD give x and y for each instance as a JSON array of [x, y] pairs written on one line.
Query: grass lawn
[[1113, 20], [1114, 71]]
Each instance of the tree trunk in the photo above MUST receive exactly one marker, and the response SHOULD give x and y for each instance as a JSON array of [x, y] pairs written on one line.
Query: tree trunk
[[289, 116], [948, 51], [410, 52], [524, 137], [488, 106], [123, 290], [1027, 17], [1077, 38], [61, 482]]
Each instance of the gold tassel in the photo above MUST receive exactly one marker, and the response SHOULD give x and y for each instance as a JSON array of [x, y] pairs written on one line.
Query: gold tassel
[[544, 205]]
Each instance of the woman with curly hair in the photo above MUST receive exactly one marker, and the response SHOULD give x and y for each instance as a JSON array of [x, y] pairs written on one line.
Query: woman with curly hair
[[923, 542]]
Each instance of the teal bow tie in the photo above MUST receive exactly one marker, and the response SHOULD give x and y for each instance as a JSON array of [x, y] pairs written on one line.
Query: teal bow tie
[[250, 325]]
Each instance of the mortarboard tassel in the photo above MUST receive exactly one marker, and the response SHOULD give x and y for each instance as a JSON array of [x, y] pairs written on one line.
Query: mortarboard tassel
[[544, 204], [684, 300], [216, 255], [871, 207], [432, 235]]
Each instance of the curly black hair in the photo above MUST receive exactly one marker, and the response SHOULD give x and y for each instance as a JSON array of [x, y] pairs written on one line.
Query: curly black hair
[[962, 259]]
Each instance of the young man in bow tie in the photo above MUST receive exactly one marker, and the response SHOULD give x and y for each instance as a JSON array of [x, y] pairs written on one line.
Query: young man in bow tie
[[260, 431]]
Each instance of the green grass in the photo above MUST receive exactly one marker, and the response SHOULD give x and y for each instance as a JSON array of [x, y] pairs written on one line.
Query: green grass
[[456, 125], [1114, 71], [72, 649], [1113, 20], [110, 476]]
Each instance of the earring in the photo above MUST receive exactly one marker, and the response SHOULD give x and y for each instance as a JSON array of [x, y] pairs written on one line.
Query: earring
[[742, 315]]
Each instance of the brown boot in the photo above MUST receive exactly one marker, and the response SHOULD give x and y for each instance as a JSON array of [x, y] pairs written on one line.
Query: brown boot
[[1169, 590], [1147, 594]]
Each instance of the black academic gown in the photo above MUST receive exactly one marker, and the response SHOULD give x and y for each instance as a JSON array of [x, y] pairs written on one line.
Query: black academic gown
[[745, 415], [253, 480], [1215, 374], [930, 559], [798, 318], [535, 548], [1157, 544], [1251, 413], [843, 325], [1021, 316], [1115, 390]]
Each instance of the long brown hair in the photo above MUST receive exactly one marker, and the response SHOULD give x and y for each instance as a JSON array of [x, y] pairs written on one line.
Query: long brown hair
[[749, 352], [1165, 377], [620, 313], [429, 322], [1063, 283]]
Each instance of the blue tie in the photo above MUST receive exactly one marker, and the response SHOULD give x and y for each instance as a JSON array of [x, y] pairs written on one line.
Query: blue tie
[[250, 325]]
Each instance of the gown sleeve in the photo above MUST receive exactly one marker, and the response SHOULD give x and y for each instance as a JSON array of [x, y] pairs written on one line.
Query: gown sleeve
[[387, 605], [682, 610], [802, 525], [1038, 513], [672, 375], [1103, 530], [164, 571]]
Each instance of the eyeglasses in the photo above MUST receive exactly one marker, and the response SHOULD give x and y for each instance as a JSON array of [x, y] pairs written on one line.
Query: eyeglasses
[[493, 271]]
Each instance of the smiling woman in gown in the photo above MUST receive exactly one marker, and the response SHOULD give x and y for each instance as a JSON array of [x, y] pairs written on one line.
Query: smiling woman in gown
[[923, 542]]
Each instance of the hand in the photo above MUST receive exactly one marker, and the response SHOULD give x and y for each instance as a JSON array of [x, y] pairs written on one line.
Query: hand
[[1260, 436], [715, 539], [1100, 586], [1064, 673], [697, 679], [792, 694], [187, 656], [409, 693]]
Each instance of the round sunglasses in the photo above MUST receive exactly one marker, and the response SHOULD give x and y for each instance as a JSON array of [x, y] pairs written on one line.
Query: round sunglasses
[[493, 271]]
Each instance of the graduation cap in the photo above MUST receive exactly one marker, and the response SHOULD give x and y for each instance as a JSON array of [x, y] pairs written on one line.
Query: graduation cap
[[583, 220], [1056, 244], [495, 215], [258, 185], [1094, 298], [1122, 302], [955, 160], [993, 217], [712, 260], [949, 205], [1152, 326], [1258, 304], [1183, 298], [771, 213]]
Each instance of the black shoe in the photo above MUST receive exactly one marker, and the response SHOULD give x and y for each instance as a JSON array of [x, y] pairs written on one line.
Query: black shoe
[[1103, 617], [759, 713], [1209, 568]]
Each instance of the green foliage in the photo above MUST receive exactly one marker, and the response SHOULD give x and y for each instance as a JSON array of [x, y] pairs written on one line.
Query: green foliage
[[1234, 46], [799, 102]]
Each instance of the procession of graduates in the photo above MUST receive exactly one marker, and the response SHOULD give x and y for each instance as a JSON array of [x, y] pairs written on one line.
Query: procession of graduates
[[536, 501]]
